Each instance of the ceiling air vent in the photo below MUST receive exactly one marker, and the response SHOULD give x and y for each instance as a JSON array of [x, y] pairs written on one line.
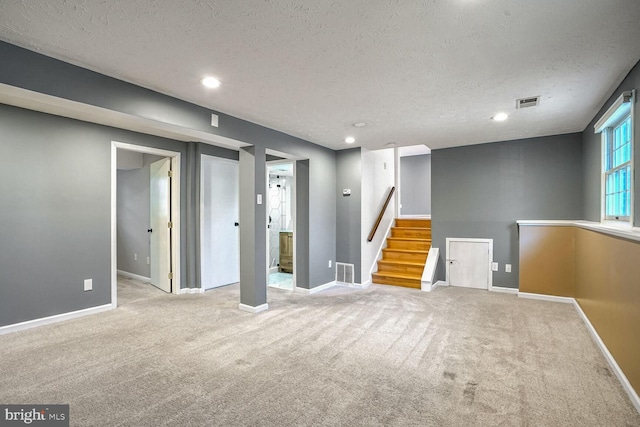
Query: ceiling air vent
[[531, 101]]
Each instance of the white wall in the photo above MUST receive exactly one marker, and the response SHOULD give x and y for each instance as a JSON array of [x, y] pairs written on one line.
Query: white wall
[[378, 176]]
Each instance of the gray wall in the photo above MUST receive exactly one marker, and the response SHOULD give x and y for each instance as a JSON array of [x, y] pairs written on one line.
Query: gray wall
[[415, 185], [479, 191], [348, 209], [55, 226], [592, 154], [25, 69], [133, 218]]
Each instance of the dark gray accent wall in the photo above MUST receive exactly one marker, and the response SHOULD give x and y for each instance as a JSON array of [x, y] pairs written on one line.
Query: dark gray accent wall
[[55, 212], [133, 218], [592, 154], [415, 185], [348, 209], [480, 191]]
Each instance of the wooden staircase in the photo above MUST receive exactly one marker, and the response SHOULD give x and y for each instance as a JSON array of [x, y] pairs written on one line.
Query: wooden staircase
[[405, 255]]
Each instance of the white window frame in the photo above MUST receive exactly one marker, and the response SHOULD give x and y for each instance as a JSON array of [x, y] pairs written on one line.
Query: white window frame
[[622, 108]]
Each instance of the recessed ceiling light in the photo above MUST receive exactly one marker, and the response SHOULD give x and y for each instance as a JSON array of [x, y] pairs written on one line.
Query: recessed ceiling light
[[500, 117], [210, 82], [359, 124], [349, 140]]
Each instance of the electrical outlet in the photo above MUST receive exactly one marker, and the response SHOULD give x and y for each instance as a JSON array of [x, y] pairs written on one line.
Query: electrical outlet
[[88, 284], [329, 263], [507, 268], [494, 266], [135, 257]]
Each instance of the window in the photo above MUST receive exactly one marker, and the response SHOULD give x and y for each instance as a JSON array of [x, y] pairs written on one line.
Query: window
[[617, 171], [616, 127]]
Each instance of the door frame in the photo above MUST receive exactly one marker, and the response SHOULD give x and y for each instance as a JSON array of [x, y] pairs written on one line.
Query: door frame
[[293, 215], [201, 210], [174, 156], [471, 240]]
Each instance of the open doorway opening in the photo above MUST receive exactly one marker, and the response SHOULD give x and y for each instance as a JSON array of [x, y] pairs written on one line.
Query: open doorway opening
[[281, 224], [145, 216], [413, 180]]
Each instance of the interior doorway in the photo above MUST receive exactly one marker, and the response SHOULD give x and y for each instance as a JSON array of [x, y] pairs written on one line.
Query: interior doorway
[[162, 171], [219, 216], [281, 224], [469, 262]]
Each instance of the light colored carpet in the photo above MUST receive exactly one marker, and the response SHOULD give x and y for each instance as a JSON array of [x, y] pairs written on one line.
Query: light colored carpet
[[384, 356]]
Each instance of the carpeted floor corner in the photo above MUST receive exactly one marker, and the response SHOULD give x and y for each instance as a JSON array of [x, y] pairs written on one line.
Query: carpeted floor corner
[[383, 356]]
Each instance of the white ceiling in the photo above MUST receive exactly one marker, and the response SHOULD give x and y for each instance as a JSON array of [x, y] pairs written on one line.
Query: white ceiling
[[416, 71]]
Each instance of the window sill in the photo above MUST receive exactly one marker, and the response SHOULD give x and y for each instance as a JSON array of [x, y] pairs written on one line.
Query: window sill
[[617, 230]]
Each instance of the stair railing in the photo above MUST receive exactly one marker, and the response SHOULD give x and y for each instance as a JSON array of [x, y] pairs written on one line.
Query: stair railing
[[382, 211]]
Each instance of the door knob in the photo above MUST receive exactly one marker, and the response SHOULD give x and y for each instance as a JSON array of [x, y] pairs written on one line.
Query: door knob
[[236, 224], [150, 230]]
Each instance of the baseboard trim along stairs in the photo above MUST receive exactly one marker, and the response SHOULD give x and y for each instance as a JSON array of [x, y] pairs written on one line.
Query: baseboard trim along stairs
[[405, 254]]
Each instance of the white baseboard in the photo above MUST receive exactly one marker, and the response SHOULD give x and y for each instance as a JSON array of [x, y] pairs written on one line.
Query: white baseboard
[[504, 290], [317, 288], [364, 285], [54, 319], [134, 276], [439, 283], [251, 309], [626, 385], [607, 355], [552, 298], [190, 291]]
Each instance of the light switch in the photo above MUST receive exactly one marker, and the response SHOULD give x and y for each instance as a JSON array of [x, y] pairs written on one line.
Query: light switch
[[259, 199], [494, 266], [507, 268], [88, 284]]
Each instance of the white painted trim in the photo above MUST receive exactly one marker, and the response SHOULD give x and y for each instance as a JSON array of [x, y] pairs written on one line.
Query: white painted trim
[[378, 257], [471, 240], [415, 217], [364, 285], [626, 385], [547, 222], [504, 290], [429, 271], [175, 212], [542, 297], [134, 276], [273, 270], [251, 309], [317, 288], [439, 283], [609, 357], [54, 319], [191, 291]]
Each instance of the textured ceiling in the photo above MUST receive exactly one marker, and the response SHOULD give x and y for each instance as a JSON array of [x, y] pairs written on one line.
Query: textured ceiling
[[416, 71]]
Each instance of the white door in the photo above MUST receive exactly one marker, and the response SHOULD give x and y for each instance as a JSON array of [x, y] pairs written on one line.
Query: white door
[[160, 208], [468, 263], [220, 238]]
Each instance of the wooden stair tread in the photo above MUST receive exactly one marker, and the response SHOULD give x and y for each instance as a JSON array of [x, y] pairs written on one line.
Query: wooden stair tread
[[412, 228], [393, 274], [417, 239], [406, 251], [401, 262]]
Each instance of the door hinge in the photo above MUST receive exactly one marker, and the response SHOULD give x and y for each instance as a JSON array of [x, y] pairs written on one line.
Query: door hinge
[[171, 276], [170, 224], [170, 173]]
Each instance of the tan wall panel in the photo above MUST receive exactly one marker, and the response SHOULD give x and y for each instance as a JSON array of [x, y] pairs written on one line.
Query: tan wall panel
[[608, 290], [547, 260]]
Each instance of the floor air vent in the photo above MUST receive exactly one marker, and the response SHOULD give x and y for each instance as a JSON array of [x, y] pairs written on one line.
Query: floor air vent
[[344, 273], [531, 101]]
